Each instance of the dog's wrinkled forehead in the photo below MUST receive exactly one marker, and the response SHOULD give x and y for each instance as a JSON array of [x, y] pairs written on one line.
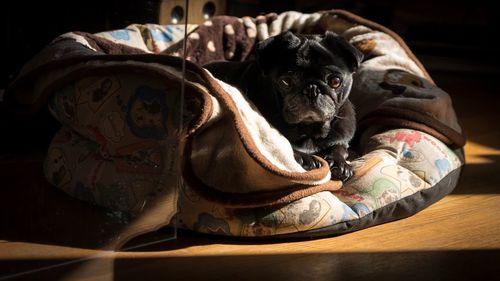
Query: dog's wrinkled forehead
[[307, 50], [313, 51]]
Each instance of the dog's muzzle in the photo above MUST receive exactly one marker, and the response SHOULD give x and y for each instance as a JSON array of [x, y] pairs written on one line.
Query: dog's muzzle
[[312, 91]]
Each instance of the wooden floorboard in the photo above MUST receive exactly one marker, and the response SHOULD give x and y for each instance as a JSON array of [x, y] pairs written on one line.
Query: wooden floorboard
[[458, 238]]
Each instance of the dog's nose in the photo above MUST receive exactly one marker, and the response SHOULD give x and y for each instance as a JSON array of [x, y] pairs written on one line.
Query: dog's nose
[[312, 91]]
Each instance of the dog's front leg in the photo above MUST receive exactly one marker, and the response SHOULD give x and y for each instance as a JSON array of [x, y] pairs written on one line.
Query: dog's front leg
[[308, 162], [336, 156]]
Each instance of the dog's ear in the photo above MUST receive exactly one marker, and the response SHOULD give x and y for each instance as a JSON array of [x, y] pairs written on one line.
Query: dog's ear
[[353, 56], [269, 51]]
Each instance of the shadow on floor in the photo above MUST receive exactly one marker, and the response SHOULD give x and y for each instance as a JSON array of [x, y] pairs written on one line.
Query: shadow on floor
[[418, 265]]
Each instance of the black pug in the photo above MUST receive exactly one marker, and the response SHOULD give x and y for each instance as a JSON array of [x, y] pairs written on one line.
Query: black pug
[[301, 85]]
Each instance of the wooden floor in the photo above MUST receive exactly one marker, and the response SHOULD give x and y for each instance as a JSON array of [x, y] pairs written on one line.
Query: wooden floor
[[457, 238]]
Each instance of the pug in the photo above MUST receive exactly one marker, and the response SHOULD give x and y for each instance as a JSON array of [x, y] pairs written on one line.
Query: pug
[[301, 84]]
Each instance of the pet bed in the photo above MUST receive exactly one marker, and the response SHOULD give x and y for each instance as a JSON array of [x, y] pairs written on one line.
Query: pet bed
[[117, 95]]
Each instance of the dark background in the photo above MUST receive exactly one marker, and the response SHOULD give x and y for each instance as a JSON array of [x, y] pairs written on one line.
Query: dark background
[[447, 36], [453, 34]]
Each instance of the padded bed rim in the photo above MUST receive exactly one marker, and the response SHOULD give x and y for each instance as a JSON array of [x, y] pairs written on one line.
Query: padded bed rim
[[400, 209], [371, 24], [397, 210]]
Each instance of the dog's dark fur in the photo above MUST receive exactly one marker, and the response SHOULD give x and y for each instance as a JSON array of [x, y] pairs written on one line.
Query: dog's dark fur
[[301, 84]]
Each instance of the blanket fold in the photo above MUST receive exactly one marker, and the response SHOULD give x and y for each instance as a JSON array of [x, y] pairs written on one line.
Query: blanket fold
[[219, 122]]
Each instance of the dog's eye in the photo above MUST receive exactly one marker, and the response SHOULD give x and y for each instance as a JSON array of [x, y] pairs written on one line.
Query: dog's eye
[[286, 82], [334, 81]]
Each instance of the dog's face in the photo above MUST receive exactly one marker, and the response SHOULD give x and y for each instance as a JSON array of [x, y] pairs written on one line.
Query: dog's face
[[311, 74]]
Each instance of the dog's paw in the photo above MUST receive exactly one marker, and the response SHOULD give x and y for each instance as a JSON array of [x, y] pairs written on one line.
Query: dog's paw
[[340, 169], [308, 162]]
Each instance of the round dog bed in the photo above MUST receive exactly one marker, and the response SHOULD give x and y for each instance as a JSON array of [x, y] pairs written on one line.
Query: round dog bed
[[118, 93]]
